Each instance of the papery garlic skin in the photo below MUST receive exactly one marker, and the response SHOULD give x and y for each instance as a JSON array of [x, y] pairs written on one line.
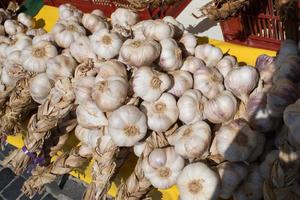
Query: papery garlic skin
[[109, 68], [150, 84], [159, 30], [266, 67], [66, 32], [81, 49], [83, 89], [291, 118], [209, 54], [36, 32], [90, 116], [93, 22], [183, 81], [198, 181], [191, 106], [127, 125], [110, 93], [221, 109], [138, 148], [105, 44], [88, 136], [40, 87], [35, 57], [98, 13], [69, 12], [19, 42], [226, 64], [231, 175], [139, 53], [192, 141], [171, 55], [46, 37], [178, 27], [235, 141], [12, 27], [209, 81], [189, 42], [60, 67], [192, 64], [123, 19], [162, 113], [26, 20], [162, 167]]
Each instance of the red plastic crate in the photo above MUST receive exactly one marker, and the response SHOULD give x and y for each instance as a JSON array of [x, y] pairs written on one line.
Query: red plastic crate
[[258, 26], [108, 6]]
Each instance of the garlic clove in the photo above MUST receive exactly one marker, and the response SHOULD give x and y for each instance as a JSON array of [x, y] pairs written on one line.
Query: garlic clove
[[183, 81], [26, 20], [171, 55], [241, 81], [192, 64], [266, 67], [226, 64], [198, 181], [40, 87], [209, 54], [127, 125], [81, 50]]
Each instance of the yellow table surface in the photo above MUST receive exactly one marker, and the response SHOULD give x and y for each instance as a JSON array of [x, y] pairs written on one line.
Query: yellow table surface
[[48, 16]]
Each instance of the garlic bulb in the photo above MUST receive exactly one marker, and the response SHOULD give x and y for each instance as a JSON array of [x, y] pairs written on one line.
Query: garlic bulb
[[289, 69], [209, 54], [231, 174], [251, 188], [192, 141], [35, 57], [291, 116], [162, 167], [105, 44], [159, 30], [127, 125], [283, 93], [183, 81], [191, 106], [226, 64], [109, 68], [93, 22], [192, 64], [241, 81], [88, 136], [45, 37], [12, 27], [189, 42], [83, 89], [178, 27], [220, 109], [81, 49], [60, 67], [6, 78], [110, 93], [19, 42], [40, 87], [139, 29], [138, 148], [198, 181], [98, 13], [69, 12], [209, 81], [66, 32], [266, 166], [90, 116], [235, 141], [26, 20], [150, 84], [171, 55], [266, 67], [162, 113], [12, 70], [139, 52], [261, 140], [122, 19]]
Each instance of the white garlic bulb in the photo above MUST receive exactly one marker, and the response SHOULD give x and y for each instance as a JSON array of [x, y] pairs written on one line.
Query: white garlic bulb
[[12, 70], [192, 64], [235, 141], [66, 32], [220, 109], [159, 30], [139, 29], [150, 84], [189, 42], [83, 89], [81, 49], [198, 181], [109, 68], [69, 12], [241, 81], [162, 167], [13, 27], [40, 87], [209, 81], [26, 20], [19, 42], [60, 67], [127, 125], [139, 53], [226, 64], [35, 57], [191, 106], [192, 141], [171, 55], [266, 166], [122, 19], [162, 113], [178, 27], [291, 116], [93, 22], [88, 136], [110, 93], [183, 81], [138, 148], [231, 175], [90, 116], [105, 44], [209, 54], [46, 37], [266, 67]]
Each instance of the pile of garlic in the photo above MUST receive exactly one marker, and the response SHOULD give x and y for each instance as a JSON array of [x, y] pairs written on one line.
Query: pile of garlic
[[227, 115]]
